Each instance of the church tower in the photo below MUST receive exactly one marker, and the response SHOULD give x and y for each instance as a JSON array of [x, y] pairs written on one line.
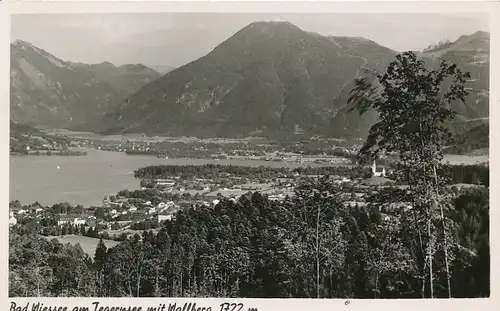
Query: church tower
[[377, 171]]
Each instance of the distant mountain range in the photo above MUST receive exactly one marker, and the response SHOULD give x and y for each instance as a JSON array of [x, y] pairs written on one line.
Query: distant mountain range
[[270, 78], [47, 91], [471, 53], [162, 69], [274, 77]]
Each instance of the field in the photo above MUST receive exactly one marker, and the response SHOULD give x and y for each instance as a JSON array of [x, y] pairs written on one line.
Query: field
[[88, 244]]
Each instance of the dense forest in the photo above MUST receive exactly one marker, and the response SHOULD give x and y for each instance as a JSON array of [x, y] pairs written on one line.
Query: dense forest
[[308, 246], [213, 171], [455, 174], [478, 174]]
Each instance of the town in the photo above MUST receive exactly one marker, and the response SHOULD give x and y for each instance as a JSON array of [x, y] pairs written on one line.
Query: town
[[158, 199], [30, 141], [165, 190]]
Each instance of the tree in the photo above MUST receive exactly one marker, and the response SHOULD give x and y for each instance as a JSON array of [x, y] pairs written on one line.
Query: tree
[[319, 221], [100, 258], [100, 253], [413, 106]]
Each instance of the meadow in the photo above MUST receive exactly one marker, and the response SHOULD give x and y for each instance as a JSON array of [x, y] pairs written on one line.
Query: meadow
[[87, 244]]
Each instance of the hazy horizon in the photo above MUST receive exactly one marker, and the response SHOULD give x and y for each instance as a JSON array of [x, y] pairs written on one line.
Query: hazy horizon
[[174, 39]]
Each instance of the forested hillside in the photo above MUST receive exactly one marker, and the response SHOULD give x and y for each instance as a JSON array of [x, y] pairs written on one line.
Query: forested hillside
[[259, 248]]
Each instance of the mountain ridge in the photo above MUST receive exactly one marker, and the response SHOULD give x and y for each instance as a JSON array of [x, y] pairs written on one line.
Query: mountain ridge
[[48, 91], [267, 77]]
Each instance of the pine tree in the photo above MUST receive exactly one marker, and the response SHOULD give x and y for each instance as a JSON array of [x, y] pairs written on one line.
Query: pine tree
[[100, 253]]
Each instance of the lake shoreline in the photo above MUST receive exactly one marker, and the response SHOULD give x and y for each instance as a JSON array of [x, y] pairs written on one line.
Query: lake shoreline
[[86, 180]]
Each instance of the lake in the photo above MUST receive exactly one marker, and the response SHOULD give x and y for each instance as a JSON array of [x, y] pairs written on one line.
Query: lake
[[87, 179]]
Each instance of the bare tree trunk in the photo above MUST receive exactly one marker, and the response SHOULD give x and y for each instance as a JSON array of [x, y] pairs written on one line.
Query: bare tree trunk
[[138, 283], [129, 282], [317, 253], [423, 286], [129, 286], [444, 234], [431, 277], [418, 230], [429, 221]]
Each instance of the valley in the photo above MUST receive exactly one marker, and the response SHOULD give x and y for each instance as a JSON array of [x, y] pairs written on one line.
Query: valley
[[249, 173]]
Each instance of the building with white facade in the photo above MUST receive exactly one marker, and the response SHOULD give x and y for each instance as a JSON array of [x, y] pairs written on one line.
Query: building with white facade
[[378, 171]]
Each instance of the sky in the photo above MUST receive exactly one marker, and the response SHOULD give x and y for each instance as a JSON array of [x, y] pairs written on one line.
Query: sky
[[174, 39]]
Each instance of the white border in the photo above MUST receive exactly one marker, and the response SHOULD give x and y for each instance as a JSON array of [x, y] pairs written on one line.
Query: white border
[[91, 6]]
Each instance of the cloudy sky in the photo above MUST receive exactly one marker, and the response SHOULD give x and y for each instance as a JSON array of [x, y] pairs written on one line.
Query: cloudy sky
[[173, 39]]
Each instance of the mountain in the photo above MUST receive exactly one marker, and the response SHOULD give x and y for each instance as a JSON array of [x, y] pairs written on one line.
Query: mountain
[[163, 69], [47, 91], [272, 77], [473, 139], [17, 129], [268, 77], [472, 54]]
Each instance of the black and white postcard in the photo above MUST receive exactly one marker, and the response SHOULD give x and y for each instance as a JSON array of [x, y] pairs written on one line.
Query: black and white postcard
[[313, 151]]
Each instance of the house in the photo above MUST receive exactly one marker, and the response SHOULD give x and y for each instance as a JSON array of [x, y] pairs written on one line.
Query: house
[[79, 221], [63, 221], [354, 203], [378, 171], [277, 197], [165, 182], [12, 219], [164, 217], [161, 205]]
